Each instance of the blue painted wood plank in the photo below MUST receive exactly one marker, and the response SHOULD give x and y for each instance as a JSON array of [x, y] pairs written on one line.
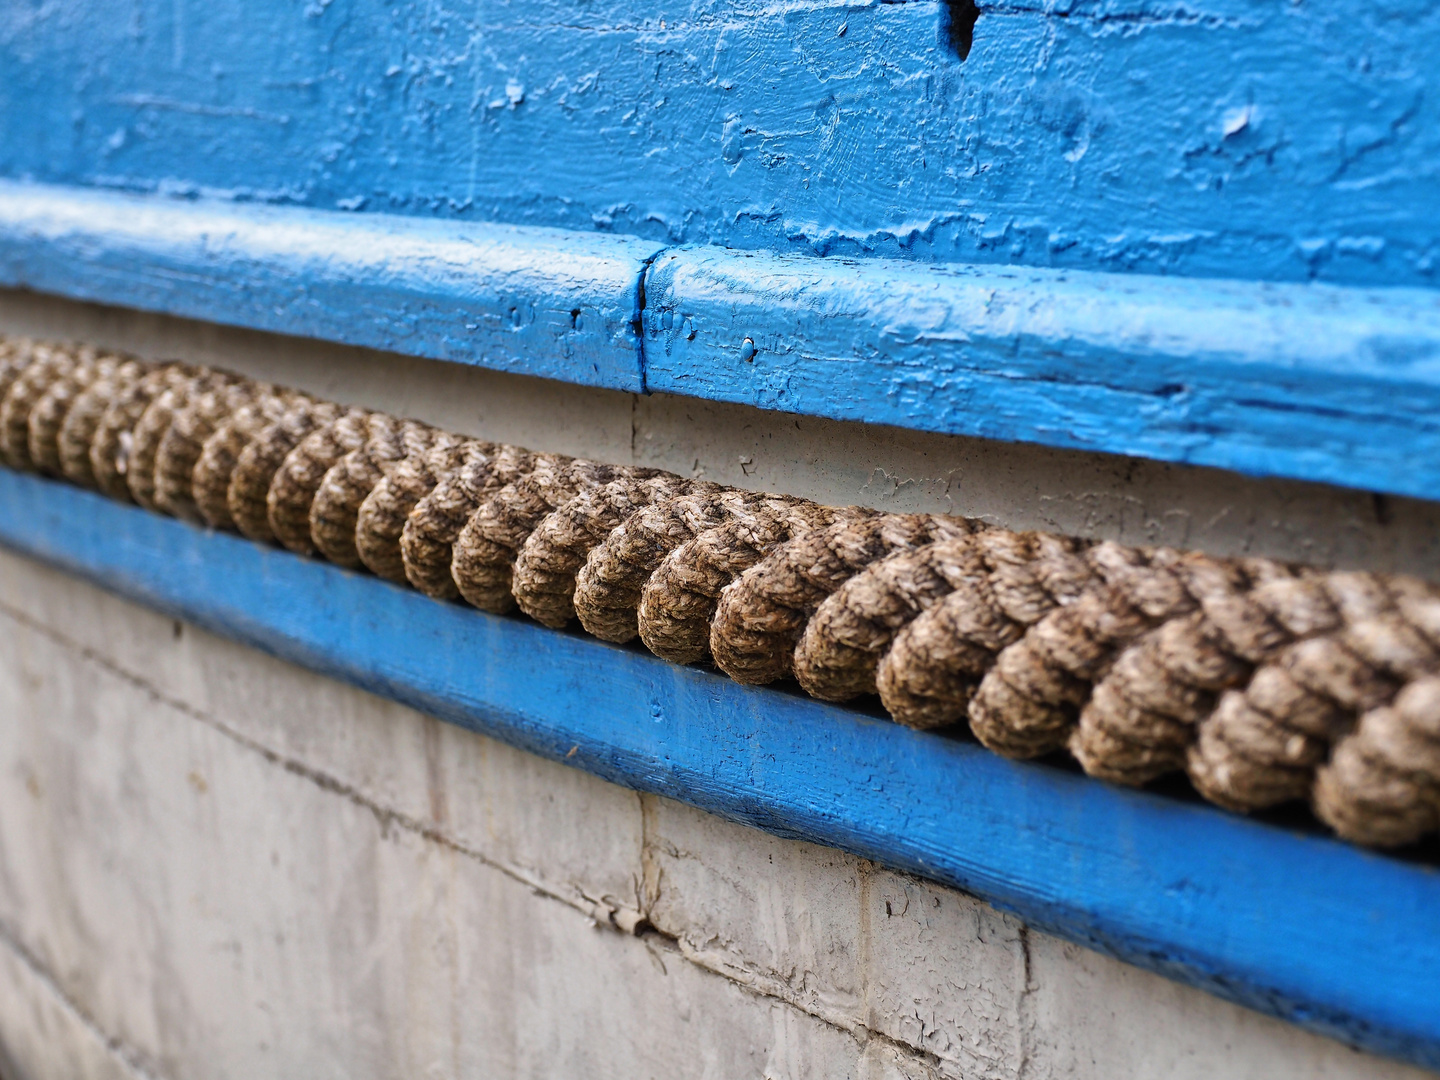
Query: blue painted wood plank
[[1337, 384], [1315, 382], [1212, 138], [538, 301], [1340, 940]]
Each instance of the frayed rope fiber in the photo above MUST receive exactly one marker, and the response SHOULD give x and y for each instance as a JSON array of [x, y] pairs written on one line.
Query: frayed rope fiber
[[1264, 682]]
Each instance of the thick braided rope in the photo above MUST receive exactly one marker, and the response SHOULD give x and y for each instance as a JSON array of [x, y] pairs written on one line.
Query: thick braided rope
[[148, 476], [609, 586], [335, 509], [1346, 643], [934, 663], [1142, 714], [15, 354], [247, 496], [220, 455], [1263, 681], [114, 440], [183, 443], [679, 599], [1025, 704], [486, 549], [427, 541], [49, 414], [553, 553], [82, 420], [1005, 580], [1381, 785], [48, 364], [761, 615], [295, 484], [382, 516]]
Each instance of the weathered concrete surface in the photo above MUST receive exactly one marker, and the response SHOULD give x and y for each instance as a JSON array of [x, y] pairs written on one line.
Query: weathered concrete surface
[[43, 1033], [214, 864], [1016, 485]]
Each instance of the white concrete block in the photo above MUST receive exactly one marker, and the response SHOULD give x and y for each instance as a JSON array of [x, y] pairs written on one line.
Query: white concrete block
[[224, 916], [43, 1035], [863, 947], [557, 828]]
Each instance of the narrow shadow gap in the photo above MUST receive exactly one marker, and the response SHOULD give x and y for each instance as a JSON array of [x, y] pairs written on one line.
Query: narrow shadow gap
[[957, 25]]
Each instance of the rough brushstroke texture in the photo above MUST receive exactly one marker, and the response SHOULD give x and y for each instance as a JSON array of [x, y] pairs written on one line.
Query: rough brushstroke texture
[[1262, 915], [1217, 137]]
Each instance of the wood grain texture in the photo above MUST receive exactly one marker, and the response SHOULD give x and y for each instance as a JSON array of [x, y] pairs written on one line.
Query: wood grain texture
[[1299, 926]]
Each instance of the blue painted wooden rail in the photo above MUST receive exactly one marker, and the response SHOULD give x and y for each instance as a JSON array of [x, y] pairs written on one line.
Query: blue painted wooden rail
[[1337, 939], [539, 301], [1313, 382], [1026, 187]]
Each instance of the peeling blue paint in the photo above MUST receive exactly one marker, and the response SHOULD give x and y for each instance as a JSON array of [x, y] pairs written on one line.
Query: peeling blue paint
[[1298, 925], [1230, 138]]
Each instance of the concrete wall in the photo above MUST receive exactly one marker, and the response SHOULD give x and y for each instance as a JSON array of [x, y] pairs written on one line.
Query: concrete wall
[[214, 864]]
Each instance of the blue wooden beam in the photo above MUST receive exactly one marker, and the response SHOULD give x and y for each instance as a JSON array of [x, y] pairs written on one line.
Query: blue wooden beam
[[1312, 382], [536, 301], [1340, 940]]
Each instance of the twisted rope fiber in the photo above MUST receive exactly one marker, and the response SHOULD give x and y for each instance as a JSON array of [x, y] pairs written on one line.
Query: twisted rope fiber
[[335, 508], [608, 586], [489, 545], [1264, 682], [678, 601], [556, 549]]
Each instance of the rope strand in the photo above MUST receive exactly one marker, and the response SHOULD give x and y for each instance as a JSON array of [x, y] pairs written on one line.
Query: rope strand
[[219, 457], [82, 420], [1264, 682], [382, 515], [554, 552], [48, 416], [295, 484], [761, 615], [678, 600], [608, 587], [335, 509], [428, 539]]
